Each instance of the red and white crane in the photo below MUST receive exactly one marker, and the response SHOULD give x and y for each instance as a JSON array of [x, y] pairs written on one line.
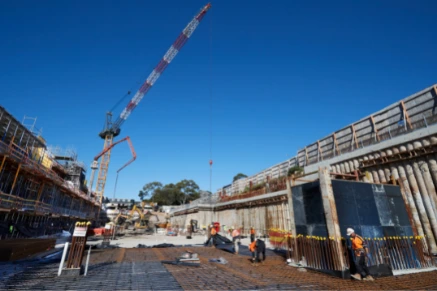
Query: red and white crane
[[112, 129]]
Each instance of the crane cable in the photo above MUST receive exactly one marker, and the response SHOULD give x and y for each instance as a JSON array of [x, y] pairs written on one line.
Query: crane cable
[[210, 104]]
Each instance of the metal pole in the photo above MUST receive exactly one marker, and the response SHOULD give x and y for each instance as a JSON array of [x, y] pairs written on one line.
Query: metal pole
[[21, 138], [113, 233], [63, 259], [6, 130], [87, 261]]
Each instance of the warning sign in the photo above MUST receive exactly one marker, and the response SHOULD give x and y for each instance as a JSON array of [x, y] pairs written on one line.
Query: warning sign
[[80, 231]]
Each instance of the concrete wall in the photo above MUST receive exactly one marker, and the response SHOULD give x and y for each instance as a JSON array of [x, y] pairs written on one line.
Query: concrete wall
[[410, 118], [262, 218]]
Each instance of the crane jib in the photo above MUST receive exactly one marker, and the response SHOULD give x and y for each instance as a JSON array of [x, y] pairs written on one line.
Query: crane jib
[[160, 68]]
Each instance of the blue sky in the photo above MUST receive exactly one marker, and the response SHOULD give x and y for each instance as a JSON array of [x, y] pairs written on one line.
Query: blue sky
[[283, 74]]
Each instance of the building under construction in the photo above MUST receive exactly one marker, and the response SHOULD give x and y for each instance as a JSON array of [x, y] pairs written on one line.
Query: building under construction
[[304, 202], [42, 191]]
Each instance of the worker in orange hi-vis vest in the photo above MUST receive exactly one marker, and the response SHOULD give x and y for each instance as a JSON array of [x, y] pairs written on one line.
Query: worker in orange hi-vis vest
[[236, 237], [211, 236], [257, 248], [252, 234], [359, 246]]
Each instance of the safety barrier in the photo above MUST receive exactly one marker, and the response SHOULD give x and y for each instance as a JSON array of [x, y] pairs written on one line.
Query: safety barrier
[[19, 155], [401, 253]]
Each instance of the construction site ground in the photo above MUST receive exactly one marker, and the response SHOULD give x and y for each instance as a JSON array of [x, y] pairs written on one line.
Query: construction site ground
[[124, 268]]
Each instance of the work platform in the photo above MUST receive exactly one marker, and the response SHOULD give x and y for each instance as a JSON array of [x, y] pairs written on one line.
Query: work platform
[[141, 269], [38, 194]]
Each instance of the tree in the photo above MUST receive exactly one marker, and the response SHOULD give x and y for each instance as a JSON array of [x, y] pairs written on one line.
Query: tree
[[294, 170], [142, 195], [188, 190], [167, 195], [239, 176], [170, 194], [149, 189]]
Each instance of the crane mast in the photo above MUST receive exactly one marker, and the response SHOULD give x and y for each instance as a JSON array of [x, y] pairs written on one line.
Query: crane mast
[[111, 129]]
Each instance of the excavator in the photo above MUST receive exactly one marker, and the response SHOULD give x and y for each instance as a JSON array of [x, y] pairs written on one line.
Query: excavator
[[137, 218]]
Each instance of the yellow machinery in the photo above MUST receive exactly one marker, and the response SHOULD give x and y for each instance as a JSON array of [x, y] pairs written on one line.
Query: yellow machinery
[[136, 217]]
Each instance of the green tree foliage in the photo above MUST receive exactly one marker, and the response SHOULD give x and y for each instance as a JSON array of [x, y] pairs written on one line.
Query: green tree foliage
[[239, 176], [149, 189], [142, 195], [295, 170], [188, 190], [171, 194]]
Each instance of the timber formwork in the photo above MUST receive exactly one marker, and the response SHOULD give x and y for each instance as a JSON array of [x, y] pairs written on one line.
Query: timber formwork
[[34, 198]]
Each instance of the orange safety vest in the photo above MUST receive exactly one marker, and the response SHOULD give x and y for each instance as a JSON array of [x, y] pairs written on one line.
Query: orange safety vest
[[358, 245], [252, 246], [252, 231], [213, 231]]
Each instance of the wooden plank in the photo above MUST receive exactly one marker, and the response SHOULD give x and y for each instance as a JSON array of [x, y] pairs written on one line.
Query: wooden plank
[[336, 143], [354, 136], [306, 156], [320, 150], [407, 118], [375, 130]]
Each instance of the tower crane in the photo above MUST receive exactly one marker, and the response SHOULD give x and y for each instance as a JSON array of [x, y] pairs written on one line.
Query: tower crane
[[112, 129]]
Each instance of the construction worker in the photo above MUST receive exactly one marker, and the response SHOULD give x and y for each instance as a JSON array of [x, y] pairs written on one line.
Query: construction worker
[[252, 234], [359, 246], [211, 235], [236, 239], [257, 247]]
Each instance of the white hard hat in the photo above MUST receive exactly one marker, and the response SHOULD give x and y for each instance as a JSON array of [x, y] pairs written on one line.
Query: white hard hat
[[349, 231]]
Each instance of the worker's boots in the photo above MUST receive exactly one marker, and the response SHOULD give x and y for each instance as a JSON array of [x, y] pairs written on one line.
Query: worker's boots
[[356, 277], [368, 278]]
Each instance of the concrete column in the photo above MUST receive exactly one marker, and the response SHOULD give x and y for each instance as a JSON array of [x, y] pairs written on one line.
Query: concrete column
[[351, 166], [346, 167], [426, 222], [375, 176], [425, 196], [342, 169], [387, 174], [429, 184], [356, 164], [382, 176], [292, 224], [402, 179], [368, 177], [331, 213], [433, 168]]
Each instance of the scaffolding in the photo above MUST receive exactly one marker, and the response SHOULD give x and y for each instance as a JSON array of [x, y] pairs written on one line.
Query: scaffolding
[[33, 190]]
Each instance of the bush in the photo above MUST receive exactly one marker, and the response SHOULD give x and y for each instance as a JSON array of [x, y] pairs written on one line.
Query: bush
[[296, 170]]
